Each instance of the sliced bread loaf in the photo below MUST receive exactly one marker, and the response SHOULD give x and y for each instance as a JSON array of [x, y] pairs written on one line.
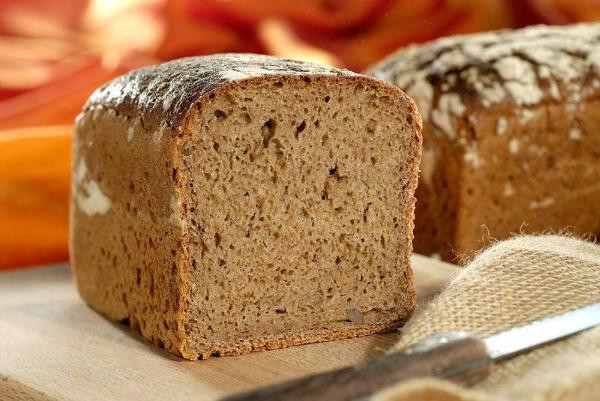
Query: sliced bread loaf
[[233, 203]]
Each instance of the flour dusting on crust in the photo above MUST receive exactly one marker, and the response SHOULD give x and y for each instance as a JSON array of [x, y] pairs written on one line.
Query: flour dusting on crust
[[525, 67], [165, 92]]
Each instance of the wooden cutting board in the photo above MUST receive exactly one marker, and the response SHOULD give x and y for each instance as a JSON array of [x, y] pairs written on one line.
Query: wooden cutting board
[[54, 347]]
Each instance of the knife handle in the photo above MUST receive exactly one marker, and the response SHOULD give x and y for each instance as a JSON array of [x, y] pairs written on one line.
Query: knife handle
[[456, 356]]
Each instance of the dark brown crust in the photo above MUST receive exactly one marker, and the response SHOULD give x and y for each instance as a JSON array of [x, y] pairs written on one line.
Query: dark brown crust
[[300, 338], [165, 92]]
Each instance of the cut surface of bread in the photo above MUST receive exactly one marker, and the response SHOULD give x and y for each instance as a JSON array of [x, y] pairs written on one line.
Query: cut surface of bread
[[510, 134], [233, 203]]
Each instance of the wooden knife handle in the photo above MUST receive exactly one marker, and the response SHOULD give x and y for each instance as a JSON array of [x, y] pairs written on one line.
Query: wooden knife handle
[[464, 359]]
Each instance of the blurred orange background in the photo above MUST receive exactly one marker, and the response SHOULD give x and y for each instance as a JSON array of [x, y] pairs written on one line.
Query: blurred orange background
[[53, 54]]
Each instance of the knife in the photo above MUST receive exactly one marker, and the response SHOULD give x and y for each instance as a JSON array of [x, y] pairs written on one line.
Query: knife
[[457, 356]]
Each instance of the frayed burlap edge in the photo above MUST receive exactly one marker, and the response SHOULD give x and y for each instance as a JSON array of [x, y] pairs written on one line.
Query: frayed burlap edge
[[513, 283], [462, 259]]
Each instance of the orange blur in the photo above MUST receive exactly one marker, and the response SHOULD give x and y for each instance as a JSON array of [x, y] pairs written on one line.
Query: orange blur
[[34, 192]]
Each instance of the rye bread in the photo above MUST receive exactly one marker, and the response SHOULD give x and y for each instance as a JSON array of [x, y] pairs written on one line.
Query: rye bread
[[233, 203]]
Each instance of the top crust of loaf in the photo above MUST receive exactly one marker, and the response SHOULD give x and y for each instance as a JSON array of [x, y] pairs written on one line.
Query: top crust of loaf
[[166, 92], [526, 68]]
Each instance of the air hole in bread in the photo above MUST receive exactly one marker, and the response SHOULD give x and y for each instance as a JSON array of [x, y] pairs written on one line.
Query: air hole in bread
[[220, 115], [267, 132], [246, 117], [300, 128]]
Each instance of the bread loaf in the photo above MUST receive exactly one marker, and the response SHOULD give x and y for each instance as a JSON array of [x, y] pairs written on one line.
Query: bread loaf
[[233, 203], [511, 137]]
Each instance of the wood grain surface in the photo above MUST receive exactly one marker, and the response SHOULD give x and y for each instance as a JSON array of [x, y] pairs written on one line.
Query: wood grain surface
[[54, 347]]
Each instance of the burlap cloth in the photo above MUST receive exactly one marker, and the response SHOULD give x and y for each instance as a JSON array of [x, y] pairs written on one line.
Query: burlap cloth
[[513, 283]]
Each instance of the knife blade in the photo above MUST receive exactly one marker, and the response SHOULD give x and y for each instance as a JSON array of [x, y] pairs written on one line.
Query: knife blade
[[523, 338], [458, 356]]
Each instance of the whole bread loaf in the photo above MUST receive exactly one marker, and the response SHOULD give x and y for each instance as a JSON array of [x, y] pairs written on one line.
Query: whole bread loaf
[[233, 203], [511, 138]]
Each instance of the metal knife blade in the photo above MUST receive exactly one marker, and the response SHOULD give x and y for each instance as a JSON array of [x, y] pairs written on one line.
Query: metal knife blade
[[523, 338]]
